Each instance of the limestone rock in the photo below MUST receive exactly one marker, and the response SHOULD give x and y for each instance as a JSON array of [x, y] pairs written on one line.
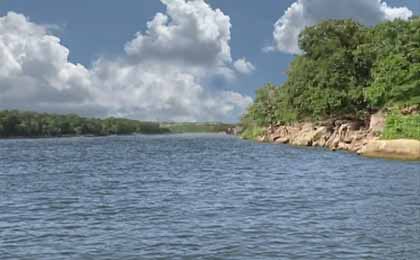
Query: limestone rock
[[347, 135], [283, 140], [403, 149], [309, 135], [377, 122]]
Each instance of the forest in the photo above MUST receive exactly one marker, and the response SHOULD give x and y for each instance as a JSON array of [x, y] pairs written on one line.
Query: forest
[[15, 123], [31, 124], [347, 70]]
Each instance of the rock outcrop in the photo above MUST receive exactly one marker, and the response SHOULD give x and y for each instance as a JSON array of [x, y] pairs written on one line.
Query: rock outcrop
[[377, 122], [358, 137], [393, 149], [344, 136]]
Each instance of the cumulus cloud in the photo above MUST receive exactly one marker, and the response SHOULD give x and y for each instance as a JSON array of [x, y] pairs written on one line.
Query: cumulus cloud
[[191, 33], [161, 76], [243, 66], [34, 69], [159, 91], [305, 13]]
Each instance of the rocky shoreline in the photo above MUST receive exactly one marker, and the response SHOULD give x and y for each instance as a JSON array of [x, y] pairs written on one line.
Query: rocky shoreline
[[357, 137]]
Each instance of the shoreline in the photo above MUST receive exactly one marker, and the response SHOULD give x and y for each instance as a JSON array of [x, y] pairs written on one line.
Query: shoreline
[[346, 136]]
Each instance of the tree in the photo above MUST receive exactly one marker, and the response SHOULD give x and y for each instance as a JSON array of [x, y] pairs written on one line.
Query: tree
[[346, 71]]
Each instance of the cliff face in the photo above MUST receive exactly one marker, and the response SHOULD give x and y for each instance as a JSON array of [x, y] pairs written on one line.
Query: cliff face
[[345, 135]]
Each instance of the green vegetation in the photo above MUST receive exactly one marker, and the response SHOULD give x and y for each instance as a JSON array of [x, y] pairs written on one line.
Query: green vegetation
[[197, 127], [29, 124], [346, 71], [402, 126], [251, 133]]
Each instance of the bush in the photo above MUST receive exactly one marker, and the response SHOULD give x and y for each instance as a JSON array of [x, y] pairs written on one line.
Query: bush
[[251, 133]]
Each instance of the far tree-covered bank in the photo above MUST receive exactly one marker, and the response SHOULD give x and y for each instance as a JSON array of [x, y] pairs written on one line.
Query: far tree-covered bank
[[348, 71], [186, 127], [30, 124]]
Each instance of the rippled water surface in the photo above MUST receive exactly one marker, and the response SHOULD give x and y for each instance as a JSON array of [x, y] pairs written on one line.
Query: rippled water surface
[[202, 197]]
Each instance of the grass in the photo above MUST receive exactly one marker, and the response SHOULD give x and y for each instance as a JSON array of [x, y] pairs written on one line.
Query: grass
[[398, 126]]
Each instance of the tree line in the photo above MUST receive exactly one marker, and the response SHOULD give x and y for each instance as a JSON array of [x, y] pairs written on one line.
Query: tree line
[[31, 124], [15, 123], [346, 70]]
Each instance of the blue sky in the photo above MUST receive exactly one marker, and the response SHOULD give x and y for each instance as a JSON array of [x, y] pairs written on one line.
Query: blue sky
[[94, 28], [98, 30]]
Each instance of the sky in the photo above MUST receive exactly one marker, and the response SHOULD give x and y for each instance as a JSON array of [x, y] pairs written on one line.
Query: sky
[[168, 60]]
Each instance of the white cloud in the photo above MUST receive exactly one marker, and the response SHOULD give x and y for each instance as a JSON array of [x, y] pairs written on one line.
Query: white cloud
[[34, 69], [392, 13], [190, 32], [305, 13], [155, 91], [163, 74], [243, 66]]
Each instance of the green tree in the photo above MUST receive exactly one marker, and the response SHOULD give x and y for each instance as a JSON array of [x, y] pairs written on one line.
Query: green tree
[[346, 70]]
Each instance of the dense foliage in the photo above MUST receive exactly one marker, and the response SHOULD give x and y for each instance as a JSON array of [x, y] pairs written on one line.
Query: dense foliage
[[252, 132], [29, 124], [346, 70]]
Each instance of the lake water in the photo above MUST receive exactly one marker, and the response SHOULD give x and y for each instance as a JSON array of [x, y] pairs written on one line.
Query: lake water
[[202, 197]]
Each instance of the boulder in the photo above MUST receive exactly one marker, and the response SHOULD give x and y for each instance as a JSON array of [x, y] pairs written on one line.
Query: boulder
[[343, 146], [309, 135], [283, 140], [262, 139], [377, 122], [402, 149], [279, 133]]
